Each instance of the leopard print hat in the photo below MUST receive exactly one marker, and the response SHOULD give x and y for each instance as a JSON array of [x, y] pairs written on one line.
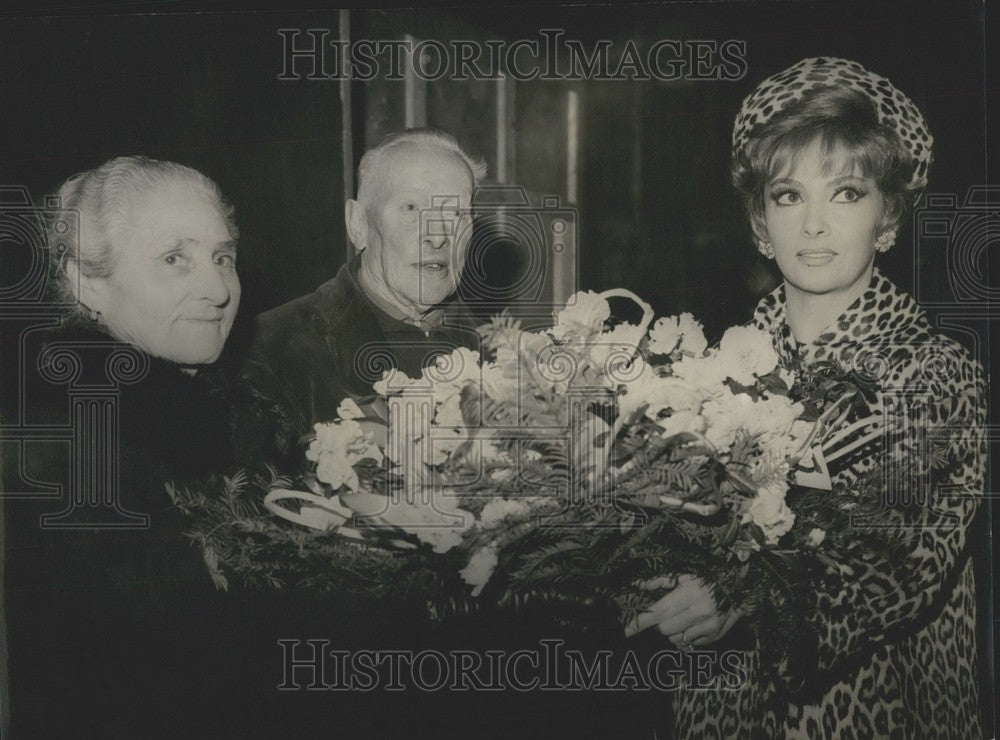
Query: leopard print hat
[[894, 108]]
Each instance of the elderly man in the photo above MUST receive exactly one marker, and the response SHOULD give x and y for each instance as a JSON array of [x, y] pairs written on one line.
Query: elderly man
[[392, 305]]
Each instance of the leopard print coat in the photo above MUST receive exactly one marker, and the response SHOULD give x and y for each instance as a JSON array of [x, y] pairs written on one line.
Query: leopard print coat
[[896, 650]]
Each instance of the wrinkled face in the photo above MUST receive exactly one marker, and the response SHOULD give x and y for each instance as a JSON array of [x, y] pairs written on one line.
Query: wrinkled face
[[823, 223], [174, 290], [415, 227]]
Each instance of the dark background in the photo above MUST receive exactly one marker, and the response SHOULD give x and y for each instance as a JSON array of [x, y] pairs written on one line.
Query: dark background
[[656, 213]]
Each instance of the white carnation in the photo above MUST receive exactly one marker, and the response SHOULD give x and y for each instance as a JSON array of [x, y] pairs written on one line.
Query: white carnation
[[336, 448], [612, 352], [480, 567], [747, 353], [348, 409], [658, 393], [584, 316], [725, 416], [395, 381], [438, 521], [682, 332], [682, 421], [816, 537], [769, 512], [495, 511]]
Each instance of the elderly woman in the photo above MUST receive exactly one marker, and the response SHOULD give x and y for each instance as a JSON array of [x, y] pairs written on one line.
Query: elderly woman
[[827, 156], [155, 262], [111, 614]]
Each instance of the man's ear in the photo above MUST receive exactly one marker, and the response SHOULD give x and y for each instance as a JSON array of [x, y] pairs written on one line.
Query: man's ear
[[357, 224]]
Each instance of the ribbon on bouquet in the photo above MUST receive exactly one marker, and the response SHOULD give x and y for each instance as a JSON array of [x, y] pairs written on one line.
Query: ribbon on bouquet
[[316, 512], [376, 510], [813, 469]]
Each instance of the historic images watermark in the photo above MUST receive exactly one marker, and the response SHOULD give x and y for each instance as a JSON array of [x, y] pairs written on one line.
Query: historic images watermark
[[313, 665], [316, 54]]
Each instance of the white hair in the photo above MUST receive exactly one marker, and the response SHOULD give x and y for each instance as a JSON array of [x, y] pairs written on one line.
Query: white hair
[[102, 197], [374, 159]]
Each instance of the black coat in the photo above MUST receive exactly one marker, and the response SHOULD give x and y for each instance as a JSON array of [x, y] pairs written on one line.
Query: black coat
[[120, 632], [313, 352]]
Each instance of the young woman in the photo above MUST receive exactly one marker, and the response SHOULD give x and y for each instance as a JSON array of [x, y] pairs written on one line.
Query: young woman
[[827, 157]]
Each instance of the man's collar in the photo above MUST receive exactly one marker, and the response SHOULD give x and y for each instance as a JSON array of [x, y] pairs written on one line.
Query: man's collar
[[384, 310]]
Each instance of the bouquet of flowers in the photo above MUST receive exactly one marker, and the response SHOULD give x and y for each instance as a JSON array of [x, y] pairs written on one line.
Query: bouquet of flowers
[[571, 462]]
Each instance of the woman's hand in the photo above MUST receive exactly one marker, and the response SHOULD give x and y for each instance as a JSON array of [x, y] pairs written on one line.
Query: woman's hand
[[688, 615]]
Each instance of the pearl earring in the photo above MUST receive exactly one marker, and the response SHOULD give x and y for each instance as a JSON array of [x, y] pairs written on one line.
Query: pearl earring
[[765, 248], [885, 240]]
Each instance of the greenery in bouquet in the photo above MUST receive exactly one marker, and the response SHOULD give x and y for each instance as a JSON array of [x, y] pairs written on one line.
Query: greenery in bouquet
[[566, 464]]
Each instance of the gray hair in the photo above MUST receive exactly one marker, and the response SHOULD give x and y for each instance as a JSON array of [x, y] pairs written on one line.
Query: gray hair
[[374, 159], [101, 197]]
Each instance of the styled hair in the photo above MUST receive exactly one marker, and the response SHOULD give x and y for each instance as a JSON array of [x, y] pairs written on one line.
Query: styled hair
[[846, 123], [374, 159], [102, 197]]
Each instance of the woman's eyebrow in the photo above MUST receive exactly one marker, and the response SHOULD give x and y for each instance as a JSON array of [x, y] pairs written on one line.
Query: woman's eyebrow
[[842, 178]]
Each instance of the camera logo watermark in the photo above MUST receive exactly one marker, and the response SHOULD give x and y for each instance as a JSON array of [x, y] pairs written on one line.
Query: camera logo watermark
[[955, 241], [86, 374], [955, 236]]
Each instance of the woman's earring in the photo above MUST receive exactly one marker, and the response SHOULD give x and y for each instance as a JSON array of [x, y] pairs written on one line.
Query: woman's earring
[[885, 240], [765, 248]]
